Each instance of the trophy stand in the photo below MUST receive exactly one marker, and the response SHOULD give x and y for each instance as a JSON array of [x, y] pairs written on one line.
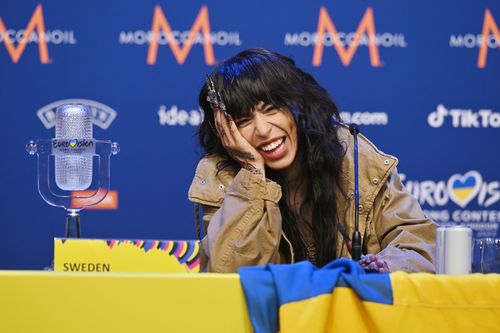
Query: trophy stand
[[73, 203], [73, 218]]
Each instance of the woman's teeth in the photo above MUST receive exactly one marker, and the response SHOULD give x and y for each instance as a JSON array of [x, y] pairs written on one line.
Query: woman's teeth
[[272, 145]]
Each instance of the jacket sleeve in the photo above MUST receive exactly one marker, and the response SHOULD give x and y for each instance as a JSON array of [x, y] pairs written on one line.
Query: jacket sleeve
[[246, 229], [406, 236]]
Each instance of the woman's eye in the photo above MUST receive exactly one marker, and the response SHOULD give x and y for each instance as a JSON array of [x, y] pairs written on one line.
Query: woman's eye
[[271, 110], [242, 122]]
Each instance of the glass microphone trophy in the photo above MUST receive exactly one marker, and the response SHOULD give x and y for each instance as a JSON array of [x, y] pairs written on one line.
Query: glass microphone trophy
[[73, 150]]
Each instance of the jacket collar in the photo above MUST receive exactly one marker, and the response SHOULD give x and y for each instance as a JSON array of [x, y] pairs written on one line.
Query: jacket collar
[[374, 168]]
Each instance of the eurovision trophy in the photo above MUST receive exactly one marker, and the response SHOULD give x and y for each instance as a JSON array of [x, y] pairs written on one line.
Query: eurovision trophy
[[73, 150]]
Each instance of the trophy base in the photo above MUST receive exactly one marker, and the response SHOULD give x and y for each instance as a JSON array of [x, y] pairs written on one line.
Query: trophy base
[[73, 223]]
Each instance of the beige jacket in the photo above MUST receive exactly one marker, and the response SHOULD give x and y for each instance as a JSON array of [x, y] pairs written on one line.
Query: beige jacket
[[242, 218]]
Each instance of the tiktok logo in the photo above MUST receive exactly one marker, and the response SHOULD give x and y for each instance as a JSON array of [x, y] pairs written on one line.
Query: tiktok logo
[[464, 118]]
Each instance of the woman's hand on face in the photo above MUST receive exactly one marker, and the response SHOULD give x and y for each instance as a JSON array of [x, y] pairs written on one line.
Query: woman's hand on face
[[237, 146]]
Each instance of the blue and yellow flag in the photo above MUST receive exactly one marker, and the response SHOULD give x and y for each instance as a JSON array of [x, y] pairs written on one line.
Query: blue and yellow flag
[[341, 297]]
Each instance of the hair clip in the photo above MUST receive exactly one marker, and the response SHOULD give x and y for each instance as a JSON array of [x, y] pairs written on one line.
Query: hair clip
[[213, 97]]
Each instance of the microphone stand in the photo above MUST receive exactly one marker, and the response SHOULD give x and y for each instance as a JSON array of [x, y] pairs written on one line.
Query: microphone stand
[[356, 235]]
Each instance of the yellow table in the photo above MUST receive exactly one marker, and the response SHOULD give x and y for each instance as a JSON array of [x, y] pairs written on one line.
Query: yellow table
[[33, 301]]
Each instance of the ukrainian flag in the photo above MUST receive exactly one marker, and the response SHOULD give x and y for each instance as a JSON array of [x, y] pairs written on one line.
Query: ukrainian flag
[[341, 297]]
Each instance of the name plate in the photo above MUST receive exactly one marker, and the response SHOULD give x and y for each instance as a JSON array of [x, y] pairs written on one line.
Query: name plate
[[122, 255]]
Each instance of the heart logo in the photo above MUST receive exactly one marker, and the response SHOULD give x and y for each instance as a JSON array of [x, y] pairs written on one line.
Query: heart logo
[[73, 142], [462, 189]]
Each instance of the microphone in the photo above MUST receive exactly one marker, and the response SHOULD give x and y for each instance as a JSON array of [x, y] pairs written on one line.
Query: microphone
[[73, 166], [356, 235]]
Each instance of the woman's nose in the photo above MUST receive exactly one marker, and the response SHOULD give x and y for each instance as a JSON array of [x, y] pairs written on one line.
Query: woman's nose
[[262, 125]]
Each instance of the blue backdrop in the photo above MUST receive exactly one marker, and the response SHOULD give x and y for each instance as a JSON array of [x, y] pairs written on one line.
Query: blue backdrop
[[423, 81]]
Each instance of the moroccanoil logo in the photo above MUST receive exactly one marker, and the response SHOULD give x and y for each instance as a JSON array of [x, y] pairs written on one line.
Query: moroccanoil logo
[[346, 43], [488, 39], [33, 33], [180, 42]]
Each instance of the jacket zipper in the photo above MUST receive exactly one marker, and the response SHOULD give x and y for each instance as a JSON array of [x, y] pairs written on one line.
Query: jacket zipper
[[292, 255]]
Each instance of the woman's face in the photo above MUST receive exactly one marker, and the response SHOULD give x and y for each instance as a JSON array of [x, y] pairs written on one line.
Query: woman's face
[[273, 133]]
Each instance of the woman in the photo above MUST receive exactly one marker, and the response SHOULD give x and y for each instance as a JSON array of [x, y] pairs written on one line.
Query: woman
[[276, 184]]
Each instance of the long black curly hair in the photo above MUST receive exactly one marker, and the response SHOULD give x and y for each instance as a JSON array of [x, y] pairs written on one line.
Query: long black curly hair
[[259, 75]]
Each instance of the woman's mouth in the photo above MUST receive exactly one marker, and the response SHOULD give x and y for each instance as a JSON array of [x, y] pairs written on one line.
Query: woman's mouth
[[275, 149]]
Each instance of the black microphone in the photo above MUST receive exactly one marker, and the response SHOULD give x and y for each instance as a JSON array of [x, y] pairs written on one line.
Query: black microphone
[[356, 235]]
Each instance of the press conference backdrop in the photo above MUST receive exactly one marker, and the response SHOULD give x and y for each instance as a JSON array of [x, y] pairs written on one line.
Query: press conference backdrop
[[422, 79]]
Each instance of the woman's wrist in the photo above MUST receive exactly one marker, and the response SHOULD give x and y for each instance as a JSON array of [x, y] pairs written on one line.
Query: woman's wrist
[[255, 169]]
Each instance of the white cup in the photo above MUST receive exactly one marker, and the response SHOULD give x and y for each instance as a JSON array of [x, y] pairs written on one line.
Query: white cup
[[454, 250]]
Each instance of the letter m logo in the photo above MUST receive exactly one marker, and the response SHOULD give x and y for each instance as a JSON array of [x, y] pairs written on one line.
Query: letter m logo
[[489, 26], [36, 22], [367, 25], [201, 23]]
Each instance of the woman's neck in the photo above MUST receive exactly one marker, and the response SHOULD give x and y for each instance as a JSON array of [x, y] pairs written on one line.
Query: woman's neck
[[296, 185], [293, 174]]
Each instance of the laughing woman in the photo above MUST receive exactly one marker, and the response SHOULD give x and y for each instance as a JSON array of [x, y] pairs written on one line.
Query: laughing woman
[[276, 183]]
